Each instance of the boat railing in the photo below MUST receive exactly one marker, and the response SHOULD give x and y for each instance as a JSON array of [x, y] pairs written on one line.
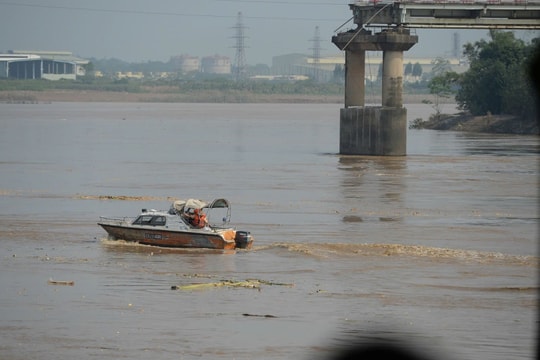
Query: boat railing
[[116, 220]]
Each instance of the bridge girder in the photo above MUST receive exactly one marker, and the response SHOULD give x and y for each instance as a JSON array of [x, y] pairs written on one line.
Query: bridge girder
[[448, 15]]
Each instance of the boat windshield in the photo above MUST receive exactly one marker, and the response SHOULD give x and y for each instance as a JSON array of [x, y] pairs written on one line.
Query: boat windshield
[[153, 220], [219, 203]]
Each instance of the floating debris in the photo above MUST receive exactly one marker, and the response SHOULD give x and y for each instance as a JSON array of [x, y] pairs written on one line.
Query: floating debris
[[61, 282], [249, 283], [257, 315]]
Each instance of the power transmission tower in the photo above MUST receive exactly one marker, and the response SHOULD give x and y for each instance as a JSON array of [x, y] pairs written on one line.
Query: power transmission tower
[[239, 70], [316, 55]]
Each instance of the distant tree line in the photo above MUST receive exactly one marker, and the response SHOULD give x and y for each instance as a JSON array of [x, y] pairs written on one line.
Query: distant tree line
[[307, 87], [413, 70], [181, 86], [112, 66]]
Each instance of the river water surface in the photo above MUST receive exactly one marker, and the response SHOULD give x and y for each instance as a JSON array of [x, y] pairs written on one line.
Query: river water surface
[[437, 249]]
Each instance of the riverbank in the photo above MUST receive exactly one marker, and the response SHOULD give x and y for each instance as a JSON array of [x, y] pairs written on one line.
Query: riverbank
[[497, 124], [206, 96]]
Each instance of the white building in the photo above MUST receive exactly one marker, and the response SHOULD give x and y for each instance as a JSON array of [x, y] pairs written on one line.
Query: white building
[[216, 64], [186, 63]]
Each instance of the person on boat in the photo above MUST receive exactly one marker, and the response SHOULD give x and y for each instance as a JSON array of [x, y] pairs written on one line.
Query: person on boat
[[199, 219]]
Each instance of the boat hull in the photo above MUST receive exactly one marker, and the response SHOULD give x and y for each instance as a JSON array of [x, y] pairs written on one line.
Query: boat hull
[[173, 238]]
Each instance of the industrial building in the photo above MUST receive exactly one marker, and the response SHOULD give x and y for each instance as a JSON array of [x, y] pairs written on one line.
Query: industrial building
[[216, 64], [186, 63], [298, 64], [49, 65]]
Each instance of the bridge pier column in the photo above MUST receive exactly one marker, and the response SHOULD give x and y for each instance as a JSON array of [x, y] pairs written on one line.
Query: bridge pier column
[[355, 85], [392, 79], [374, 130]]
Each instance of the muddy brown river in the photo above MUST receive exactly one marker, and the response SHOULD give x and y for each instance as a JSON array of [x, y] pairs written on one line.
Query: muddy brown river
[[437, 249]]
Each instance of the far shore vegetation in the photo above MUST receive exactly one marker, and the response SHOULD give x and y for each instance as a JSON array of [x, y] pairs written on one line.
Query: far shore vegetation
[[198, 85], [175, 86]]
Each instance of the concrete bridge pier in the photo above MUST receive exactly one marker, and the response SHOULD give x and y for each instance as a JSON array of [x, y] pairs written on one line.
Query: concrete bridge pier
[[392, 79], [374, 130], [355, 87]]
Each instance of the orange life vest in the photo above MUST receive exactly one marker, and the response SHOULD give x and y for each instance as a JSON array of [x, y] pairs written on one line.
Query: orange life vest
[[199, 220]]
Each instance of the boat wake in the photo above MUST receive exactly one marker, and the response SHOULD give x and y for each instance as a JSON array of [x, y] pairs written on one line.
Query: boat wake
[[135, 247], [327, 250], [333, 250]]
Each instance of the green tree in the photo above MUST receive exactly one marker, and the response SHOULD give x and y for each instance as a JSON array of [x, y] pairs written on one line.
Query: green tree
[[339, 74], [497, 80], [440, 66], [442, 86], [417, 70], [408, 69]]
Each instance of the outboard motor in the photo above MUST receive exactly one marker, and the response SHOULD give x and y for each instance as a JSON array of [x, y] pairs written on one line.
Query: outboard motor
[[241, 239]]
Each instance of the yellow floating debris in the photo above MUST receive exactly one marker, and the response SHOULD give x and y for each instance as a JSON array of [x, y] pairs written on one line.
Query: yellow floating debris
[[60, 282], [250, 283]]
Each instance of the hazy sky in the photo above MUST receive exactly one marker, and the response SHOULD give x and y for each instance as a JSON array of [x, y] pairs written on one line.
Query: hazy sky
[[143, 30]]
